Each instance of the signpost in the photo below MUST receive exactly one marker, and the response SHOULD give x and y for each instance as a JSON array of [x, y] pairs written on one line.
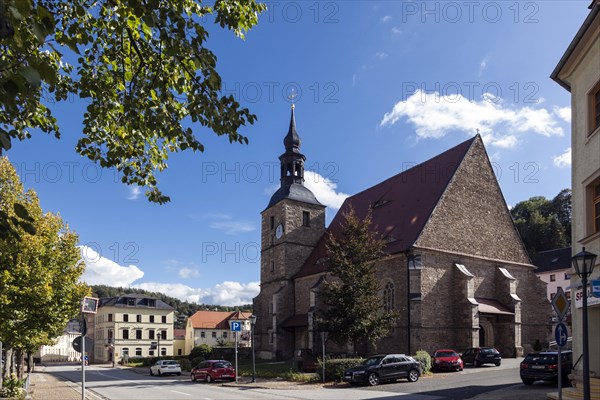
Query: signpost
[[561, 306], [236, 327], [89, 305]]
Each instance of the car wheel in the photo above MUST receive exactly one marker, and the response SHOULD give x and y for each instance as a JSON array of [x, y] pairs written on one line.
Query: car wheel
[[413, 375], [475, 363], [159, 373], [193, 377], [209, 378], [179, 374], [528, 382], [373, 379], [498, 364], [151, 373]]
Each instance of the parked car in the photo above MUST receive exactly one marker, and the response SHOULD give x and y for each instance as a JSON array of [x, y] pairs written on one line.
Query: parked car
[[543, 366], [165, 367], [481, 355], [446, 360], [381, 368], [212, 370]]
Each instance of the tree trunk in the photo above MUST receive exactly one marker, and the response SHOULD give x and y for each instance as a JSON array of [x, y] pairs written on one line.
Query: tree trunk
[[9, 365], [20, 359]]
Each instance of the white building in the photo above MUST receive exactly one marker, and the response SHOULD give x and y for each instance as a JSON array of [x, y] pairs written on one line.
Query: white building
[[63, 350], [213, 328]]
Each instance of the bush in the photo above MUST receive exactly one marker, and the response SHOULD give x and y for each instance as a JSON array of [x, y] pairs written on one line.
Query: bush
[[197, 361], [203, 351], [186, 365], [334, 369], [294, 376], [424, 358], [12, 388]]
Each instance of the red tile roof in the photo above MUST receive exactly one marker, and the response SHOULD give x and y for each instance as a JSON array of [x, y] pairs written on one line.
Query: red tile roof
[[401, 205], [215, 319], [179, 333]]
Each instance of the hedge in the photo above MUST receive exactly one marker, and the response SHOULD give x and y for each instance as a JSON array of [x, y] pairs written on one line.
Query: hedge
[[334, 368]]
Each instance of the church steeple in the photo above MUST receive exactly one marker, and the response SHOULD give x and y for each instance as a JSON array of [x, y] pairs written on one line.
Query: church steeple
[[292, 170], [292, 161]]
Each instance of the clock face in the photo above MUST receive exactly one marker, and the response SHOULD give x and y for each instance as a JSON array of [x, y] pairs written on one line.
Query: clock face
[[279, 231]]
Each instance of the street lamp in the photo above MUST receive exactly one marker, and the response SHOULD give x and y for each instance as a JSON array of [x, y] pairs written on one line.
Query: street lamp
[[158, 337], [583, 263], [252, 323]]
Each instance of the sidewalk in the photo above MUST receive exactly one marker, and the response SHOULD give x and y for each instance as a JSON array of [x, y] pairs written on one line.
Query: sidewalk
[[50, 387]]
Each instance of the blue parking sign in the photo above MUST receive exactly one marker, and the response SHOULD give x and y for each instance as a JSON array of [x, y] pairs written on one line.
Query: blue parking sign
[[236, 326], [596, 288]]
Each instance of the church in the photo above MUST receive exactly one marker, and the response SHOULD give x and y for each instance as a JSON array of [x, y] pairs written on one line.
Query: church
[[455, 268]]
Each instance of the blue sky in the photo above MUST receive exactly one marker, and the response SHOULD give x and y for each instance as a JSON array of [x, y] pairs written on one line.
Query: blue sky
[[380, 86]]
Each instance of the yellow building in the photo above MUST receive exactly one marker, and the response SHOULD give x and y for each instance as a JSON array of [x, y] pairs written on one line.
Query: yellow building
[[578, 71], [132, 326], [62, 350]]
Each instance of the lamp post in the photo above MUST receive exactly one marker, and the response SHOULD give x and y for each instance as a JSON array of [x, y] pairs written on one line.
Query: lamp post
[[252, 323], [158, 337], [583, 263]]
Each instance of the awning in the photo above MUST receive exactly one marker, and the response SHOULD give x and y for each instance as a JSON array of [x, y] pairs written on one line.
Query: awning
[[491, 306], [295, 321]]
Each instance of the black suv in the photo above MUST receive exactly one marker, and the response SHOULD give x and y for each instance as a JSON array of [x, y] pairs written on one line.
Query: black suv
[[481, 355], [384, 368], [543, 366]]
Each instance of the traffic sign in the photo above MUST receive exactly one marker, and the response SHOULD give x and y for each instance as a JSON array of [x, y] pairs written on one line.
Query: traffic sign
[[560, 303], [236, 326], [89, 344], [596, 287], [561, 334]]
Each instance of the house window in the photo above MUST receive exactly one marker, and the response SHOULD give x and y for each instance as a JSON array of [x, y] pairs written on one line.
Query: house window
[[151, 334], [164, 319], [179, 352], [110, 335], [125, 351], [388, 297], [312, 298], [151, 352], [109, 317], [272, 266], [125, 317], [163, 352], [305, 218], [270, 334], [151, 303], [214, 334], [568, 294], [552, 277], [152, 318], [594, 99], [567, 276], [138, 351], [225, 335], [138, 318], [125, 333], [272, 223], [131, 302], [138, 333], [163, 335], [202, 334], [596, 201]]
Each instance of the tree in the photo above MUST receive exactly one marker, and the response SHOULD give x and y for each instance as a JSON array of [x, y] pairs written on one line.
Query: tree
[[353, 306], [544, 224], [142, 66], [39, 274]]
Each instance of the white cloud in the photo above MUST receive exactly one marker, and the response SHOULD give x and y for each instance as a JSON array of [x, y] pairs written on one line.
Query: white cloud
[[434, 116], [564, 160], [386, 18], [324, 189], [226, 223], [564, 113], [134, 193], [381, 56], [187, 273], [396, 31], [102, 271], [227, 293]]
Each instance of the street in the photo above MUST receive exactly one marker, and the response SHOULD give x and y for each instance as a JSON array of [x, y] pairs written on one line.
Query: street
[[473, 383]]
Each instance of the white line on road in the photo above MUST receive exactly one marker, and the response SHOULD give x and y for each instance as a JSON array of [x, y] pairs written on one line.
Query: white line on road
[[185, 394]]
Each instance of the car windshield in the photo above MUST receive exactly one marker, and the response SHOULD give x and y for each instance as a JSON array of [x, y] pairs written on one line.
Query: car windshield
[[488, 351], [541, 359], [445, 354], [226, 364], [372, 361]]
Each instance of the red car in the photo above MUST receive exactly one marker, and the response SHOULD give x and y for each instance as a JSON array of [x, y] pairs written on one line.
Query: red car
[[447, 360], [212, 370]]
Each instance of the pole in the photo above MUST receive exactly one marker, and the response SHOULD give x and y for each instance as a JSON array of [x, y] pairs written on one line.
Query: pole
[[586, 361], [158, 347], [236, 356], [559, 372], [83, 362], [1, 365], [253, 358], [323, 360]]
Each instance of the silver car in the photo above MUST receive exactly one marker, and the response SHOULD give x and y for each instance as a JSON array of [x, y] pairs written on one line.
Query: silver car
[[165, 367]]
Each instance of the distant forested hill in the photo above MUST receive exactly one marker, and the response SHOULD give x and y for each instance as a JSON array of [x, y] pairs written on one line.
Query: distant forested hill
[[183, 308]]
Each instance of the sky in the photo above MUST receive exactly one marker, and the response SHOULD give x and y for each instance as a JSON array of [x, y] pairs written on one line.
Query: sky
[[379, 86]]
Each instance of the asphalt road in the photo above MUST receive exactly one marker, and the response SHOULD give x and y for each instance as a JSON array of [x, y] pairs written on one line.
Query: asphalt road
[[494, 383]]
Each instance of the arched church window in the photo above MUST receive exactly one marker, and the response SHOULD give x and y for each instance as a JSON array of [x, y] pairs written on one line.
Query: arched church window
[[388, 297]]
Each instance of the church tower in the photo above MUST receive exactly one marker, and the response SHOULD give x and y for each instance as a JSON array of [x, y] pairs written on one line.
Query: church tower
[[292, 224]]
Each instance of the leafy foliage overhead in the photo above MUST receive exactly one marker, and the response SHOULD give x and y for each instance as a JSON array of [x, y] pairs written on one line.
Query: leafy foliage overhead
[[141, 65], [353, 308]]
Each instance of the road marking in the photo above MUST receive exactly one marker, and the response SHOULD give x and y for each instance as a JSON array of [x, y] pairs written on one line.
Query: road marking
[[185, 394]]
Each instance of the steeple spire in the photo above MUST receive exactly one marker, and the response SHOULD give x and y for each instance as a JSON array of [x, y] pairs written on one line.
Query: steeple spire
[[292, 161], [292, 140]]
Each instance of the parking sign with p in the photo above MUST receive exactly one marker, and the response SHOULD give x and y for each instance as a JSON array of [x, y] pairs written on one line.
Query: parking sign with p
[[236, 326]]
